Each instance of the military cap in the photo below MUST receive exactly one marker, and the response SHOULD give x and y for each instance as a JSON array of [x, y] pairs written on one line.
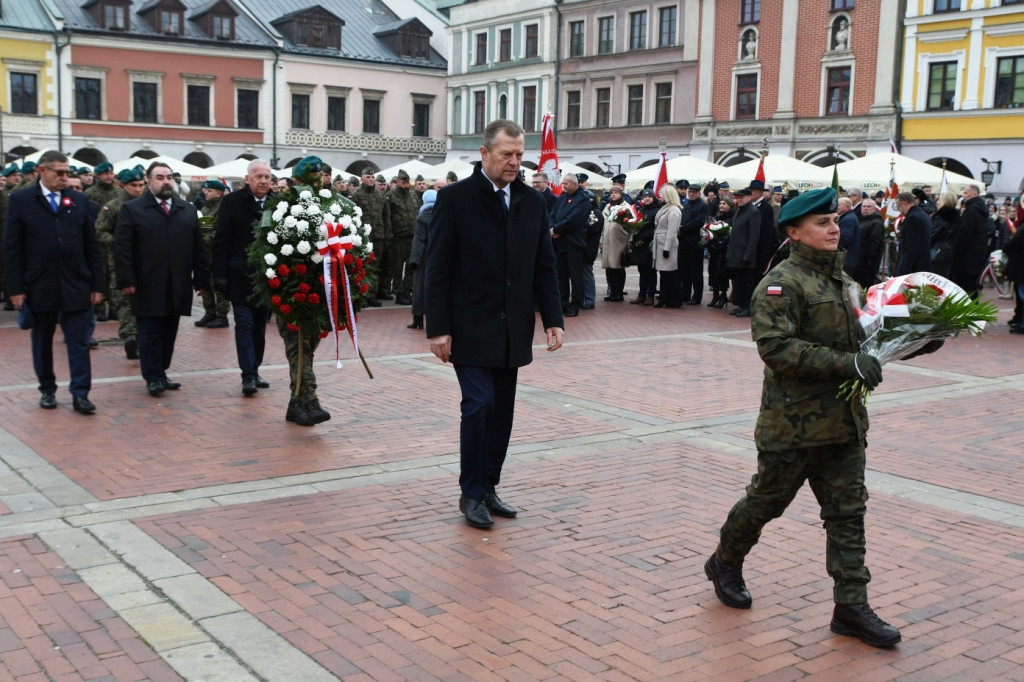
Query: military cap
[[353, 180], [132, 175], [682, 184], [103, 167], [452, 177], [582, 177], [420, 178], [723, 185], [85, 170], [777, 189], [793, 193], [814, 202], [73, 170], [310, 164], [11, 170], [380, 177], [649, 185], [214, 184], [879, 194], [619, 179], [368, 171], [756, 184], [402, 175], [28, 166], [745, 192]]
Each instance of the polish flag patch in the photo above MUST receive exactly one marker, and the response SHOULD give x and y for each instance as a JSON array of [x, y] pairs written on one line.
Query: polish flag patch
[[773, 291]]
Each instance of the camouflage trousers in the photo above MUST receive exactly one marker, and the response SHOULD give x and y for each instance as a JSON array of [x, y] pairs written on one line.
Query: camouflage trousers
[[836, 476], [307, 389], [119, 303], [399, 272], [214, 303]]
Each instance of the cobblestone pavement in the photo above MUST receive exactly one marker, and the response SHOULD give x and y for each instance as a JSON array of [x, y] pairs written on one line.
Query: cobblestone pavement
[[199, 536]]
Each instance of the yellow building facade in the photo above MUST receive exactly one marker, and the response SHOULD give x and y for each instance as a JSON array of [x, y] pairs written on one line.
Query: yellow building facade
[[962, 87], [28, 90]]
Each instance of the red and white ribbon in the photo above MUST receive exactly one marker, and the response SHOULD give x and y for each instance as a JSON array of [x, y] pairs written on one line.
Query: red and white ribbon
[[888, 299], [333, 250]]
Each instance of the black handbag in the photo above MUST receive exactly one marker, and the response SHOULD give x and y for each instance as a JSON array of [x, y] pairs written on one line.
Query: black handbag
[[26, 320]]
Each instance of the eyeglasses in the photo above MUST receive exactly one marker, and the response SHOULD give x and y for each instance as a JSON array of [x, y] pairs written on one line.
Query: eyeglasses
[[62, 173]]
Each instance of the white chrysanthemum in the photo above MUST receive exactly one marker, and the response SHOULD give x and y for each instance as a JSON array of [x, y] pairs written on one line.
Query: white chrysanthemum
[[357, 241], [316, 257], [303, 247], [305, 194], [302, 226], [287, 249], [282, 206], [272, 237], [290, 221], [270, 258], [345, 222], [358, 211], [297, 210], [335, 209], [325, 193], [322, 231], [367, 229], [270, 273], [369, 246], [277, 216], [313, 210]]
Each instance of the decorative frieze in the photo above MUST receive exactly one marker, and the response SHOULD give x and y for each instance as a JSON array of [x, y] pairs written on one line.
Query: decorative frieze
[[365, 143]]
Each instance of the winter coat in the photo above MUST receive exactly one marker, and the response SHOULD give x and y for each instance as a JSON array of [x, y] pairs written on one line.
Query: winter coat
[[614, 238], [666, 238], [915, 243], [743, 238], [970, 242]]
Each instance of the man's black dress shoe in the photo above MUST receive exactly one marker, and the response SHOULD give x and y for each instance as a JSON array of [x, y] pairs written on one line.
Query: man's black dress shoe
[[261, 383], [588, 306], [499, 508], [249, 387], [476, 512], [131, 348], [743, 312], [373, 302], [403, 299], [48, 401], [728, 580], [171, 385], [93, 343], [155, 388], [385, 297], [571, 312], [217, 323], [858, 620], [83, 404]]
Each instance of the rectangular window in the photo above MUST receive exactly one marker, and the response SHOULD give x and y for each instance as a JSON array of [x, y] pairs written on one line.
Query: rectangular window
[[837, 92], [603, 107], [638, 30], [481, 49], [746, 96], [198, 105], [88, 92], [947, 5], [505, 45], [144, 97], [941, 86], [420, 119], [371, 116], [1010, 83], [170, 22], [841, 4], [577, 40], [666, 26], [336, 114], [479, 111], [750, 11], [635, 105], [24, 93], [530, 108], [605, 35], [663, 103], [222, 27], [115, 17], [531, 47], [572, 109], [248, 108], [300, 111]]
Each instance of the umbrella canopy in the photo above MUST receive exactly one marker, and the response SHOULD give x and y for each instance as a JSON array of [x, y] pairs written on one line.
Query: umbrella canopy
[[236, 168], [680, 168], [871, 173], [458, 166], [413, 167], [780, 170], [72, 161], [187, 170]]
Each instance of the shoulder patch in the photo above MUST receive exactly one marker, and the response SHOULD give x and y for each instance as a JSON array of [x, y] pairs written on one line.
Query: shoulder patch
[[775, 290]]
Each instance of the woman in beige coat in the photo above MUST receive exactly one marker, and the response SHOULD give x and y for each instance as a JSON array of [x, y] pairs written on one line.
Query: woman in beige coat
[[666, 247], [614, 240]]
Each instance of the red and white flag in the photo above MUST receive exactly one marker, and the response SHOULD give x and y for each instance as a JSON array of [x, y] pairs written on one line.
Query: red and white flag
[[889, 208], [760, 172], [662, 174], [549, 155]]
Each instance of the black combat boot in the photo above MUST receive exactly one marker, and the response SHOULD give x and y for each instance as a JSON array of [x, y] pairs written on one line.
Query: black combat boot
[[858, 620], [316, 413], [417, 322], [728, 580], [297, 413]]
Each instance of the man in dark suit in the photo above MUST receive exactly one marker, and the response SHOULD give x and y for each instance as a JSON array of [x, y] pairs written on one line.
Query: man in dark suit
[[569, 231], [489, 257], [741, 254], [53, 265], [232, 272], [159, 257], [768, 238], [915, 237]]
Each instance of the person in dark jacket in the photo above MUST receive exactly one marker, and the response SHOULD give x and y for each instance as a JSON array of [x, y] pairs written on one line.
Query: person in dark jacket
[[159, 258], [718, 272], [915, 237], [970, 243], [872, 243], [568, 222], [640, 249], [543, 185], [1014, 250], [419, 247], [945, 224], [489, 259], [691, 251], [849, 234], [232, 272], [741, 256], [53, 265], [768, 239]]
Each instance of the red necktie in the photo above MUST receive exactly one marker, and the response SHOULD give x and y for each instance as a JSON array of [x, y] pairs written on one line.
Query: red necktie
[[167, 209]]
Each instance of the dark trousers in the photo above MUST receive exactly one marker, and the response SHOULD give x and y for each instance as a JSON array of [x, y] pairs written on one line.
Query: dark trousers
[[488, 402], [648, 281], [669, 289], [418, 298], [156, 345], [836, 476], [691, 274], [250, 337], [76, 337], [743, 286], [569, 266], [616, 280]]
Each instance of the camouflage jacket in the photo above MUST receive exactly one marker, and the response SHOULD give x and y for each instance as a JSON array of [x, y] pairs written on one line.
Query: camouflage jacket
[[375, 211], [403, 209], [102, 195], [807, 334], [107, 219], [211, 208]]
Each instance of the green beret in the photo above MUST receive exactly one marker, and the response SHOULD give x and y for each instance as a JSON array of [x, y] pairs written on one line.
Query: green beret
[[402, 175], [11, 170], [28, 166], [214, 184], [103, 167], [131, 175], [814, 202], [310, 164]]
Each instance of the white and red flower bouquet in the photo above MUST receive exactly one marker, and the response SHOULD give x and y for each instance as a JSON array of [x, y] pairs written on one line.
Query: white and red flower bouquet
[[714, 229]]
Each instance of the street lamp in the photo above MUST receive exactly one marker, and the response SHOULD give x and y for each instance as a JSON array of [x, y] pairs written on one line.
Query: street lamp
[[988, 175]]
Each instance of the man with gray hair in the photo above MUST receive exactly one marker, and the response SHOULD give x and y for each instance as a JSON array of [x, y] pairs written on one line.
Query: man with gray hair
[[569, 231]]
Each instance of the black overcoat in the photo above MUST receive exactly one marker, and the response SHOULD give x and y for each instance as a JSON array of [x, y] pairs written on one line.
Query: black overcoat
[[161, 255], [52, 258], [239, 211], [484, 271]]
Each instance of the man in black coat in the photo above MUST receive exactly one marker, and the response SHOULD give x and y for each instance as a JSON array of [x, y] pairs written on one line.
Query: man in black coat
[[569, 231], [741, 254], [691, 251], [232, 273], [915, 237], [53, 265], [543, 185], [159, 258], [970, 241], [768, 238], [489, 257]]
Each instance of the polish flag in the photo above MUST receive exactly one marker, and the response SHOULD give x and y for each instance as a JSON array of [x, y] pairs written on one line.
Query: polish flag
[[662, 174], [549, 155], [760, 172]]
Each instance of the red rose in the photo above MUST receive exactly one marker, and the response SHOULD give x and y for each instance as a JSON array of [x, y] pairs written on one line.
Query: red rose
[[360, 276], [293, 327], [300, 269], [276, 300], [286, 309], [274, 283], [323, 335], [283, 270], [313, 298], [363, 288], [300, 298], [304, 288], [372, 257], [359, 263], [348, 259]]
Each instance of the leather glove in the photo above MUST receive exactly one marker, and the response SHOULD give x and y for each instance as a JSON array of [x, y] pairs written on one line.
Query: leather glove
[[220, 285], [664, 254], [868, 369], [929, 347]]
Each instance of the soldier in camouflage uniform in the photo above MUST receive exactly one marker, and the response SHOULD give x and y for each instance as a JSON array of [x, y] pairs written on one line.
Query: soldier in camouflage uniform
[[103, 191], [215, 304], [12, 176], [29, 177], [806, 332], [375, 213], [133, 184], [403, 206]]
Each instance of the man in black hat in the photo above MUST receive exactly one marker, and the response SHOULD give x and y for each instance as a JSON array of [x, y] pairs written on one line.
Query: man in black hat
[[681, 187], [741, 256], [768, 240], [924, 201], [691, 251]]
